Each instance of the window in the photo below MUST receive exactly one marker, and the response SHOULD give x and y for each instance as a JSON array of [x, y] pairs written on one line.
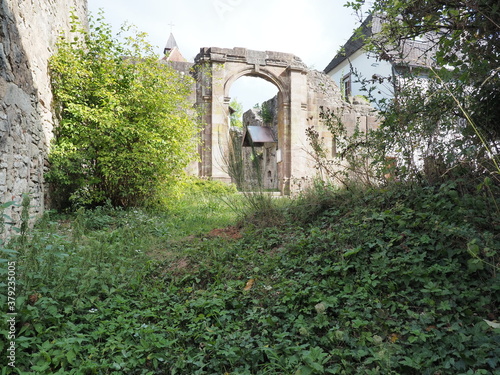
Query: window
[[347, 85]]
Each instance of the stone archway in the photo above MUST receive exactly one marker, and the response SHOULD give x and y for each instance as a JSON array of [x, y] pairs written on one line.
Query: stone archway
[[216, 70], [301, 94]]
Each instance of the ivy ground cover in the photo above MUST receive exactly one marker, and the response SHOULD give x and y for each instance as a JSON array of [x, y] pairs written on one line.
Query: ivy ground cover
[[395, 281]]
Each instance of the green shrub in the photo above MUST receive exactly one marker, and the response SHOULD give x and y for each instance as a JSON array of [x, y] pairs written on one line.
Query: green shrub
[[126, 130]]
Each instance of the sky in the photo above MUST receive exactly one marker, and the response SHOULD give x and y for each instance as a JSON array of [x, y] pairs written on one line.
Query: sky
[[313, 30]]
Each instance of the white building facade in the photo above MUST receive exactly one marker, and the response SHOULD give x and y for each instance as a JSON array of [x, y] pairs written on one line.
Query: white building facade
[[362, 73]]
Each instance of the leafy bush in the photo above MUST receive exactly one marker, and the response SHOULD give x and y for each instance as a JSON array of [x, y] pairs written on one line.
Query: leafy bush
[[443, 114], [126, 128]]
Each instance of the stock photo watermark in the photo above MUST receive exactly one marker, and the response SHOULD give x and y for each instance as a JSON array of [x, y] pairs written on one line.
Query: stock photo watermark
[[11, 313], [222, 7]]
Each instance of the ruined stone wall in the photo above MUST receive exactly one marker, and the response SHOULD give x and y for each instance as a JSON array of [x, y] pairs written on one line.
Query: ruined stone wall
[[301, 94], [28, 34], [322, 92]]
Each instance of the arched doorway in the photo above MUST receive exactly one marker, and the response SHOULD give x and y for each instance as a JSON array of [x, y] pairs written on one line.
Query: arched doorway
[[250, 91], [252, 162]]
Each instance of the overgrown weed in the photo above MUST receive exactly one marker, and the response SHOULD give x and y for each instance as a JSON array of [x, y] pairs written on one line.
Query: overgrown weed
[[399, 280]]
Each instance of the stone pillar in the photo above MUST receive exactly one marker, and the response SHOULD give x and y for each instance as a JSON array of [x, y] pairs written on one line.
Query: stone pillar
[[205, 147], [298, 118], [283, 156], [220, 126]]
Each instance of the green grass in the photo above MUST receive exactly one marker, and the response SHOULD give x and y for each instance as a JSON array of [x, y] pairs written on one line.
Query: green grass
[[396, 281]]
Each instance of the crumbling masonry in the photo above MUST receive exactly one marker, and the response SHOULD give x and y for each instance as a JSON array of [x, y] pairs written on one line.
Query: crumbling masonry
[[301, 93], [28, 35]]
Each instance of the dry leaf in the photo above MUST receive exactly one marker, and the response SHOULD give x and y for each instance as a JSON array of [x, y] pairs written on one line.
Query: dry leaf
[[34, 298], [393, 337], [249, 284], [492, 324]]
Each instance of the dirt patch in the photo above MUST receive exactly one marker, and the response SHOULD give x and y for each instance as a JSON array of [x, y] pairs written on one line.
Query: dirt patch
[[178, 266], [175, 266], [231, 233]]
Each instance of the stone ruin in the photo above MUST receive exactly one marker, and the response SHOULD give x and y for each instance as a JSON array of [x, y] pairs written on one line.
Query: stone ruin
[[285, 163], [256, 142]]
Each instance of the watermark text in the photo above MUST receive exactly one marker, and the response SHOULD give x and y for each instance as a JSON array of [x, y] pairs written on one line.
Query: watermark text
[[11, 313], [222, 7]]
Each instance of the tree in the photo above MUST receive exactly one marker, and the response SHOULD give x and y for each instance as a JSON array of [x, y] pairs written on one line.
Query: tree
[[235, 116], [126, 128], [464, 82]]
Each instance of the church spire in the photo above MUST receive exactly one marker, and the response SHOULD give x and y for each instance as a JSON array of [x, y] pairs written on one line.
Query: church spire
[[171, 50], [171, 44]]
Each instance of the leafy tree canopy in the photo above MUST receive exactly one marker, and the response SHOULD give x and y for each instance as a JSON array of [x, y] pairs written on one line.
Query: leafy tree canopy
[[235, 116], [465, 35], [126, 128], [463, 38]]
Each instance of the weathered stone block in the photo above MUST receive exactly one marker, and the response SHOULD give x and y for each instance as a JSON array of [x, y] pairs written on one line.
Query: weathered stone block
[[3, 177]]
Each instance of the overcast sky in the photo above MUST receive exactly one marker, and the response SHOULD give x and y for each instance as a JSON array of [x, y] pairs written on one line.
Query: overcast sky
[[313, 30]]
